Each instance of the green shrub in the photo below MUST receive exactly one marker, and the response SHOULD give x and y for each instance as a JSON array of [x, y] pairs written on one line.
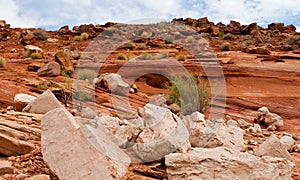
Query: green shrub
[[146, 56], [183, 90], [225, 46], [221, 34], [40, 34], [2, 62], [85, 36], [86, 74], [122, 56], [130, 55], [190, 39], [128, 45], [36, 55], [228, 36], [78, 38], [181, 57], [42, 86]]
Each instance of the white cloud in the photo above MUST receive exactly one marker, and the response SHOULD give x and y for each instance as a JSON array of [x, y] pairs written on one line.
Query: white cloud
[[55, 13]]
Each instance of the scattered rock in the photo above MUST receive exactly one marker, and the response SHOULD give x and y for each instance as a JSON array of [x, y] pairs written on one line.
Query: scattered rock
[[257, 50], [43, 103], [175, 108], [158, 100], [34, 66], [195, 124], [65, 61], [6, 168], [79, 152], [22, 100], [219, 134], [243, 124], [39, 177], [287, 142], [50, 69], [264, 116], [114, 83], [274, 148], [29, 49], [226, 164], [88, 113], [233, 123]]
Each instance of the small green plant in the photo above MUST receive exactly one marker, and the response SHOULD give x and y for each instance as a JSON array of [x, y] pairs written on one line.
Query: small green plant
[[190, 39], [228, 36], [2, 62], [85, 36], [42, 86], [225, 46], [128, 45], [181, 57], [86, 74], [146, 56], [130, 55], [78, 38], [122, 56], [40, 34], [183, 90], [221, 34], [36, 55]]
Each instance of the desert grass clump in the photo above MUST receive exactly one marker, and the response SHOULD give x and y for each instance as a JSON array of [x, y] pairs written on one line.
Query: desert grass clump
[[182, 91], [225, 46], [181, 57], [36, 55], [78, 38], [146, 56], [228, 36], [2, 62], [190, 39], [85, 36], [40, 34], [122, 56], [86, 74]]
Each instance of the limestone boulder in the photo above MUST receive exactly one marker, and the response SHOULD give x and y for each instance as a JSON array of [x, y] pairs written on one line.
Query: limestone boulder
[[75, 151], [163, 134], [65, 61], [43, 103], [274, 148], [21, 100], [114, 83], [50, 69], [225, 164]]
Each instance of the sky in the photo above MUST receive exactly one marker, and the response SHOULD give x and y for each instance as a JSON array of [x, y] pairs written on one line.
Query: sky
[[53, 14]]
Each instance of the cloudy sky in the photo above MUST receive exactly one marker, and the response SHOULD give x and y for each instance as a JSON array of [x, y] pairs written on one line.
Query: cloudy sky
[[52, 14]]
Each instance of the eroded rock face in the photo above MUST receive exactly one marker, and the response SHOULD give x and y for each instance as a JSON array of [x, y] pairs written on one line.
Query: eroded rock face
[[17, 139], [79, 152], [225, 164], [43, 103]]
